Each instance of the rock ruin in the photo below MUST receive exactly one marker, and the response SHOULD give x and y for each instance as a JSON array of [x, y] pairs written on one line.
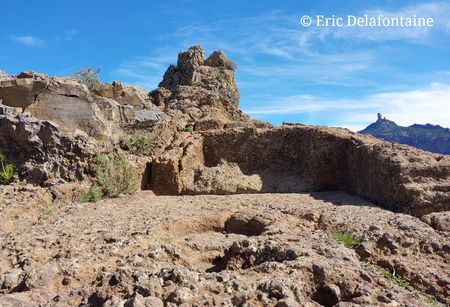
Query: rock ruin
[[227, 152], [52, 128]]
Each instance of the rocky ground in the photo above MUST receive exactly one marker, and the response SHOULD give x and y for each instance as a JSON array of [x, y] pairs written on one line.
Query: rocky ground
[[389, 246], [238, 250]]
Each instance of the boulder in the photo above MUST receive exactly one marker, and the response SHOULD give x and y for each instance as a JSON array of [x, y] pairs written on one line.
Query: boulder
[[219, 59], [61, 100], [6, 110], [191, 58], [21, 92], [159, 96], [42, 151], [147, 117], [70, 112], [125, 94]]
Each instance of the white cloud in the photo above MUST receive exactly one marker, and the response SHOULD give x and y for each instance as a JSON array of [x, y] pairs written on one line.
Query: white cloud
[[28, 40], [427, 105], [281, 35], [272, 33], [439, 11], [275, 50], [336, 69]]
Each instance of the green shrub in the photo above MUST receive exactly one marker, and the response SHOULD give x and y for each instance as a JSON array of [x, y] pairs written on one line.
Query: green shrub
[[428, 299], [7, 171], [136, 143], [48, 212], [396, 280], [197, 83], [114, 174], [255, 203], [188, 128], [90, 77], [366, 264], [92, 195], [348, 239], [229, 64]]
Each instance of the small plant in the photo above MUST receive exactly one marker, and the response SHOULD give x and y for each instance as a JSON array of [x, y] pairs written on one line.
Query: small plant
[[48, 212], [92, 195], [90, 77], [255, 203], [137, 143], [7, 171], [114, 174], [221, 76], [189, 126], [396, 280], [428, 299], [186, 129], [229, 64], [366, 264], [349, 240], [197, 83]]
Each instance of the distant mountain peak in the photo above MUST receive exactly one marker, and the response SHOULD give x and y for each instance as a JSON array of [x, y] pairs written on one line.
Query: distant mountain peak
[[428, 137]]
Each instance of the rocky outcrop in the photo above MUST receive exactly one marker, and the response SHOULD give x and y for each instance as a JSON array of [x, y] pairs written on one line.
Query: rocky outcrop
[[63, 101], [203, 144], [204, 89], [317, 248], [125, 94], [19, 91], [42, 151], [305, 158], [72, 106], [7, 110]]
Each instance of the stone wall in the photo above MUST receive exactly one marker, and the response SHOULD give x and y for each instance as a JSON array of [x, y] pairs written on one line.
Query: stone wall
[[305, 158]]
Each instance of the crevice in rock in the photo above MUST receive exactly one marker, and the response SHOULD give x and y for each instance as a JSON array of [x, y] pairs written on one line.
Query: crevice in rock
[[146, 181], [65, 95], [244, 225], [325, 296], [247, 254], [95, 300], [21, 287]]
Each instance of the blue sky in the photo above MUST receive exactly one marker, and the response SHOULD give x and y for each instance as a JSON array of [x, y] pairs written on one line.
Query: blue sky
[[337, 76]]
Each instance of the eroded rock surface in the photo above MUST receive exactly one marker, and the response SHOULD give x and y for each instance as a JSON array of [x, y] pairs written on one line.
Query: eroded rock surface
[[251, 249], [203, 144], [259, 250], [306, 158], [125, 94], [204, 89], [43, 151]]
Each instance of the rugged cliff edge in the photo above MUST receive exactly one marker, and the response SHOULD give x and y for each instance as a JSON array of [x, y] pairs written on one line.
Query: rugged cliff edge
[[168, 247]]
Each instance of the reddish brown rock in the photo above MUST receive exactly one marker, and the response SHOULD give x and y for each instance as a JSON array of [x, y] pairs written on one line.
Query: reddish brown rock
[[305, 158]]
